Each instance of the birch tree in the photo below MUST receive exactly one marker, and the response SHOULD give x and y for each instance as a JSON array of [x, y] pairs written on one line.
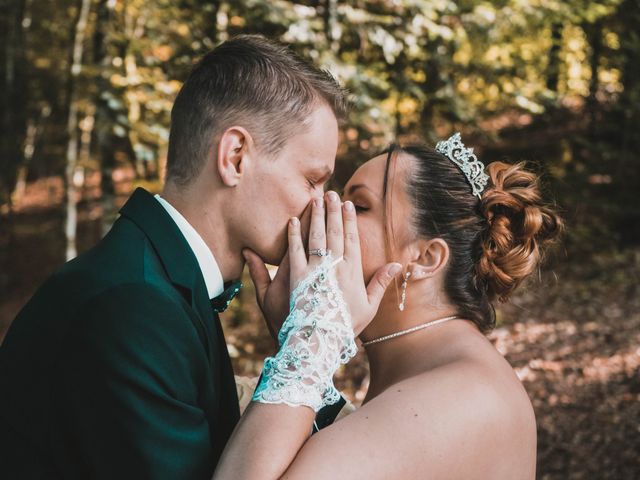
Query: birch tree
[[71, 172]]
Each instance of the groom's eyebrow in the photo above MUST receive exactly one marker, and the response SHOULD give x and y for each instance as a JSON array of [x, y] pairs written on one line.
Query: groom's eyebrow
[[325, 174]]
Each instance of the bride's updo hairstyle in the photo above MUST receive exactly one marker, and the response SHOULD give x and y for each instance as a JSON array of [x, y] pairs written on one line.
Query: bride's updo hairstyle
[[494, 242]]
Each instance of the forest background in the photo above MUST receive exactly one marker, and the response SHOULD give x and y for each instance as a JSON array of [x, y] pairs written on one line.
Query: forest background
[[85, 97]]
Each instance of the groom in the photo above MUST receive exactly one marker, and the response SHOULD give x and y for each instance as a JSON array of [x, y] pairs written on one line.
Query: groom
[[118, 367]]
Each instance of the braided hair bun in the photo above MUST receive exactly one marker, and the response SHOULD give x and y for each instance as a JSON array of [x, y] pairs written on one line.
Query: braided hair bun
[[518, 224]]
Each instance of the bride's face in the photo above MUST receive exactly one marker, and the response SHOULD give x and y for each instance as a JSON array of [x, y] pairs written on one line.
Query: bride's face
[[382, 220]]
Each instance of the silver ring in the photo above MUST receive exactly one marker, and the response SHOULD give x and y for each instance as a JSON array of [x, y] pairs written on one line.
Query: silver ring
[[321, 252]]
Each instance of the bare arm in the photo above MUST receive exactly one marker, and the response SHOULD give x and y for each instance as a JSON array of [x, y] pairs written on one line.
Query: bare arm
[[265, 442]]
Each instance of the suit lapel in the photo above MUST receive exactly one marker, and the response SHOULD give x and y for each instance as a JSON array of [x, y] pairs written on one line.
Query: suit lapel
[[175, 254], [183, 270]]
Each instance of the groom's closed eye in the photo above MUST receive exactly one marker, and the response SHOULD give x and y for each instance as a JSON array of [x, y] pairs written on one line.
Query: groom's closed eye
[[313, 184], [319, 177]]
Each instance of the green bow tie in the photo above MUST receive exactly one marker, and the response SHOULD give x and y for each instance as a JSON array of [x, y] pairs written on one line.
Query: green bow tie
[[222, 301]]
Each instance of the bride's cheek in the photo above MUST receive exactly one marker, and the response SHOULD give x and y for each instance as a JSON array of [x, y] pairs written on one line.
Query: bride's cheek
[[368, 255]]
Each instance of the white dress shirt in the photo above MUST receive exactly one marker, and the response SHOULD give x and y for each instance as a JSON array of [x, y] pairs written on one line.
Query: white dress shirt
[[208, 266]]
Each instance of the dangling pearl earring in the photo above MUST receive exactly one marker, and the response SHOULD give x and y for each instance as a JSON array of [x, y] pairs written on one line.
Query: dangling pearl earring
[[404, 291]]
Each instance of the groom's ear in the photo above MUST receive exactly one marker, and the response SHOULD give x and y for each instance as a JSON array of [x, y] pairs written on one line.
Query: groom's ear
[[233, 147]]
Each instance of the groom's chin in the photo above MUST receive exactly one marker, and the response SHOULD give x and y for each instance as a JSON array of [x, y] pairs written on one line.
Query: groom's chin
[[276, 258], [273, 255]]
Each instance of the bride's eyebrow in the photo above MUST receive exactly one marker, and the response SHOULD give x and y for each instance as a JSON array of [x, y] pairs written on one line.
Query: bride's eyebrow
[[353, 188]]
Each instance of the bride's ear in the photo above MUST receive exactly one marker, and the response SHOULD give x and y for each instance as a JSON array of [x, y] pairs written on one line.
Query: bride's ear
[[432, 257], [232, 155]]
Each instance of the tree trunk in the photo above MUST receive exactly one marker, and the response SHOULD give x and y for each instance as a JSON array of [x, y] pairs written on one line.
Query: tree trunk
[[71, 219], [553, 68], [432, 83], [594, 37], [86, 129], [329, 20], [104, 116], [134, 29], [13, 97], [210, 19], [400, 86], [629, 137], [34, 128]]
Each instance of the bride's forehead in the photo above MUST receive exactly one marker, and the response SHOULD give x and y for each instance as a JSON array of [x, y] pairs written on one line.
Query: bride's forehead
[[372, 172]]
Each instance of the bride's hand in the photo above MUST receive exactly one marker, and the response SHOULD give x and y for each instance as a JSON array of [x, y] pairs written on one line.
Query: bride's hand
[[272, 295], [340, 236]]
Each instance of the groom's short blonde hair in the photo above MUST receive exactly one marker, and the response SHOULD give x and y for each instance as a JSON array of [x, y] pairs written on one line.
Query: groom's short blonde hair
[[249, 81]]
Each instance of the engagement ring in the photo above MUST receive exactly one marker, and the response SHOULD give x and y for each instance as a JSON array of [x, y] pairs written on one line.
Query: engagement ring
[[321, 252]]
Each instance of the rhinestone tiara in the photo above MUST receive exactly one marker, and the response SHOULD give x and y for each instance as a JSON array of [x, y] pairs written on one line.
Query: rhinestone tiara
[[464, 158]]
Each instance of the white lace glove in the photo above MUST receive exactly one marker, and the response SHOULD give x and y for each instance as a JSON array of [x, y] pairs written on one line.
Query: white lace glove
[[315, 339]]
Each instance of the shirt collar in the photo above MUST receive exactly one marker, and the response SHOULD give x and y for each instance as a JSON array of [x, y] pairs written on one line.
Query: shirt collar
[[207, 262]]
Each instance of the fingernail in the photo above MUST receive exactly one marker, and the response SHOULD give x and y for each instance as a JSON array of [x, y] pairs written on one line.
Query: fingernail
[[333, 196], [394, 269], [294, 221], [319, 202], [348, 206]]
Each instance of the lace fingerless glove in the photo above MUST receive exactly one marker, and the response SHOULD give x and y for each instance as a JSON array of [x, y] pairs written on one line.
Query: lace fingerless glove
[[315, 339]]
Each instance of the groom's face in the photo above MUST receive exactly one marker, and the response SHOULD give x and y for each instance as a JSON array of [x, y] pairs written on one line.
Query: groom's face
[[282, 187]]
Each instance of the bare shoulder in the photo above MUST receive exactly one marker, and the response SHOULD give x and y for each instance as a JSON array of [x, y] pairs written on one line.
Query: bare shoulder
[[485, 385], [460, 420], [484, 417], [486, 397]]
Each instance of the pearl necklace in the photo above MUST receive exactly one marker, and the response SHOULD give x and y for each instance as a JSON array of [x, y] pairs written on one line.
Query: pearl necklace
[[409, 330]]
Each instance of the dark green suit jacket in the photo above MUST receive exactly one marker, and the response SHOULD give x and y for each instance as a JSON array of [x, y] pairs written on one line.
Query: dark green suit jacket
[[117, 367]]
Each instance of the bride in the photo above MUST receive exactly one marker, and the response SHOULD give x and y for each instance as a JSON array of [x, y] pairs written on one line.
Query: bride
[[442, 402]]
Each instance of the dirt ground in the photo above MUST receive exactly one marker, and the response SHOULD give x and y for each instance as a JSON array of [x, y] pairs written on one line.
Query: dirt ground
[[572, 336]]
